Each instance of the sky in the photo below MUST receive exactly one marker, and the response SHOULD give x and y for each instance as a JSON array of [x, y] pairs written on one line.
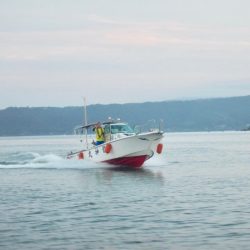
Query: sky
[[55, 52]]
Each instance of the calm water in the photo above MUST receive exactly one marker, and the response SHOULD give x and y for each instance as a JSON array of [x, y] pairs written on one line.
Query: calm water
[[196, 195]]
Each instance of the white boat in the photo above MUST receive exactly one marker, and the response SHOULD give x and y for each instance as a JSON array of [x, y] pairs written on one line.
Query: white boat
[[123, 146]]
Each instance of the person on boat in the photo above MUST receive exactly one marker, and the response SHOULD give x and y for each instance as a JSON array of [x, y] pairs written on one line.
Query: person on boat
[[99, 131]]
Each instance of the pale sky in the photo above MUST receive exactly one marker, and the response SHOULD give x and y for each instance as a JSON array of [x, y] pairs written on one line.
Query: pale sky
[[55, 52]]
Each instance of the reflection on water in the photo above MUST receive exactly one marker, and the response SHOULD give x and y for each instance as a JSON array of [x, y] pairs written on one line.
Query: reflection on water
[[140, 174]]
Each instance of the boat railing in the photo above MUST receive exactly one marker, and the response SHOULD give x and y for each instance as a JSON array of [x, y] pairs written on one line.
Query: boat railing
[[149, 126]]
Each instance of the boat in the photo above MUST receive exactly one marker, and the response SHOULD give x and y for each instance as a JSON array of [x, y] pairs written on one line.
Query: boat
[[123, 146]]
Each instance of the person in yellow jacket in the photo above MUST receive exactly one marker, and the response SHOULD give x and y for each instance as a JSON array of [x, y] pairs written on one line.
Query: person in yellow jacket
[[99, 131]]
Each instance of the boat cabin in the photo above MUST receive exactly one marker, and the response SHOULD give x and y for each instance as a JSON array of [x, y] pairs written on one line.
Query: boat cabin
[[115, 131]]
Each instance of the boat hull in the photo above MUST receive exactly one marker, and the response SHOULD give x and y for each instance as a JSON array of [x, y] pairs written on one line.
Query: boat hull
[[131, 151], [132, 161]]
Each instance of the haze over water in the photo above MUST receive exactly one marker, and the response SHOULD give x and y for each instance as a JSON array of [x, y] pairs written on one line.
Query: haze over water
[[194, 196]]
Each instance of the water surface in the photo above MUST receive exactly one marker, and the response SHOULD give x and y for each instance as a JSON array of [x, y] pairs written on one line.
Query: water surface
[[194, 196]]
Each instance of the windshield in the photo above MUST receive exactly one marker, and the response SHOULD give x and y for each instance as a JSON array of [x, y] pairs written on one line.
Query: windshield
[[121, 128]]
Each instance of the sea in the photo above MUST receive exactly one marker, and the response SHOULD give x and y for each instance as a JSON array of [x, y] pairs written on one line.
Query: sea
[[195, 195]]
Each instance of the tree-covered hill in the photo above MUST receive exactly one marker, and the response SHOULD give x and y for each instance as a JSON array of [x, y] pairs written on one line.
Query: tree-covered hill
[[196, 115]]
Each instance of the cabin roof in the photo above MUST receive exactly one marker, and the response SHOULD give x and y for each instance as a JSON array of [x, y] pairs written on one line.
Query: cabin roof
[[103, 123]]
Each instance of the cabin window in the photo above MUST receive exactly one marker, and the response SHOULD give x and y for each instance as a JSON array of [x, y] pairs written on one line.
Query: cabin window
[[121, 128], [107, 129]]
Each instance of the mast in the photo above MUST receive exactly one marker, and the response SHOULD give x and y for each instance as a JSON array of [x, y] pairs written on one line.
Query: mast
[[85, 121]]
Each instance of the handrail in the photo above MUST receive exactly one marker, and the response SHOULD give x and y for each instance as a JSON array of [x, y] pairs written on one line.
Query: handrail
[[150, 125]]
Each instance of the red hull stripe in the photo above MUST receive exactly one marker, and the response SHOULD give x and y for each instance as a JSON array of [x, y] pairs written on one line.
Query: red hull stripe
[[133, 161]]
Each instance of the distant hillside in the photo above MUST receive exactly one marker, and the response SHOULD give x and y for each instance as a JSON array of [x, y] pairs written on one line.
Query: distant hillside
[[196, 115]]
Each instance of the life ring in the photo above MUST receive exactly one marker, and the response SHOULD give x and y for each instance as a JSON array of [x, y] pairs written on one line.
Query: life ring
[[108, 148], [159, 148], [81, 156]]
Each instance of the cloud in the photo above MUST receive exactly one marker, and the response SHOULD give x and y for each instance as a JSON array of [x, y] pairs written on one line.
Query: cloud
[[107, 36], [158, 59]]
